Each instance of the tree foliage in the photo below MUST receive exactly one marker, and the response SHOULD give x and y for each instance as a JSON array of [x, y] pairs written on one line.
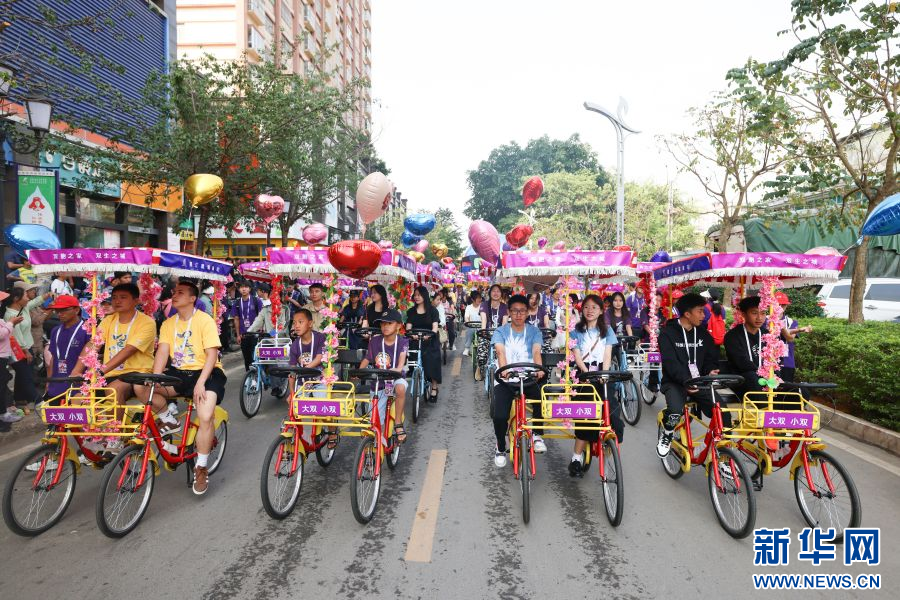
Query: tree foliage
[[496, 185], [841, 82]]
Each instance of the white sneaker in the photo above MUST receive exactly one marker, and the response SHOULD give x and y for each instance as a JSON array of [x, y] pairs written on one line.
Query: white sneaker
[[9, 417], [466, 352], [453, 349], [167, 425], [725, 471], [84, 460], [539, 446], [664, 444], [33, 467], [499, 459]]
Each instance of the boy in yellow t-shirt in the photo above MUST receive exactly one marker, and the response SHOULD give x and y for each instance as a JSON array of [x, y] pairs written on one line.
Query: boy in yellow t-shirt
[[129, 336], [191, 340]]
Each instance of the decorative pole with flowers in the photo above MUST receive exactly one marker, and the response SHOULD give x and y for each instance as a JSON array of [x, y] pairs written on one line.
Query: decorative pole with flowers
[[275, 299], [150, 291], [93, 377], [330, 316], [772, 347], [218, 301], [653, 318]]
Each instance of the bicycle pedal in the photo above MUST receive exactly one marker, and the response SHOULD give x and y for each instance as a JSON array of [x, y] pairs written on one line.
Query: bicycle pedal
[[169, 466]]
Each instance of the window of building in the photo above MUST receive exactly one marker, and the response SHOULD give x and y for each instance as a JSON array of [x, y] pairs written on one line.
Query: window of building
[[269, 24]]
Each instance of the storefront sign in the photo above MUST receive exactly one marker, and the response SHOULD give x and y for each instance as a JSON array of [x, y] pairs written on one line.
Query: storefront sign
[[37, 198], [71, 173]]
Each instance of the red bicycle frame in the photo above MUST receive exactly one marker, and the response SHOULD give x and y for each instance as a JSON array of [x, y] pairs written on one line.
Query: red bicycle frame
[[713, 436], [520, 430]]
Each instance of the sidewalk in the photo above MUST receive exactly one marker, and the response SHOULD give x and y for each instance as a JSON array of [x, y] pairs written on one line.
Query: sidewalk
[[30, 428]]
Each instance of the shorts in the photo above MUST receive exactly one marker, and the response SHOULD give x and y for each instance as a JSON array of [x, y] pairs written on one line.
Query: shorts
[[363, 408], [215, 383]]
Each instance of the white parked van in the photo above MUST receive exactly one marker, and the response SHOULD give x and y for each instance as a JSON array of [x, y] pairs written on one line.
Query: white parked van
[[880, 303]]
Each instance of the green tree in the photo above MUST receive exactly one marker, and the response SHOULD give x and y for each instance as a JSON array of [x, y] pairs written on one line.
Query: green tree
[[496, 185], [841, 80]]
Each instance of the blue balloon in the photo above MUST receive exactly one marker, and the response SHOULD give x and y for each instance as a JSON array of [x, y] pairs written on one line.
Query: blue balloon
[[885, 219], [31, 237], [409, 239], [506, 247], [661, 257], [436, 266], [419, 224]]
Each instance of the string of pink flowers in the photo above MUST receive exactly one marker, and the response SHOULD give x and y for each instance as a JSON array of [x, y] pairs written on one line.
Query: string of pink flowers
[[219, 300], [94, 308], [653, 317], [400, 295], [150, 291], [330, 317], [275, 299], [773, 347], [738, 317]]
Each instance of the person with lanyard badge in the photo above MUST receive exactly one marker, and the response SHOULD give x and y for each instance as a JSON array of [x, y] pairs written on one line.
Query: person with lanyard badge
[[594, 342], [307, 351], [354, 312], [377, 306], [687, 351], [388, 351], [263, 324], [191, 341], [516, 342], [635, 303], [471, 315], [316, 304], [494, 313], [743, 344], [423, 315], [129, 337], [244, 312]]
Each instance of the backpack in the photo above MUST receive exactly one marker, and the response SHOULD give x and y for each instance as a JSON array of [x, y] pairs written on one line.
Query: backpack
[[716, 328]]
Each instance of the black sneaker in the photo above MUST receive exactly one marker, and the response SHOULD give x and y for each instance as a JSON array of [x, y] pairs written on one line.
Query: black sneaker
[[576, 469]]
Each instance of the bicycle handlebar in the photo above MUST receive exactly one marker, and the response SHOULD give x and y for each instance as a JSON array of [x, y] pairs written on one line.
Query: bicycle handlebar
[[527, 373], [473, 324], [714, 380], [380, 374], [420, 334], [548, 333], [607, 376], [367, 332], [301, 372]]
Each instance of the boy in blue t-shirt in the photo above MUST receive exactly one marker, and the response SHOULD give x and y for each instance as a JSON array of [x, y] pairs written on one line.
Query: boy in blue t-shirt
[[516, 342]]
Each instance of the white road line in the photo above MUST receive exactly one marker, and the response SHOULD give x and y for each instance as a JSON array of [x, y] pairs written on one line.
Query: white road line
[[421, 539], [869, 458]]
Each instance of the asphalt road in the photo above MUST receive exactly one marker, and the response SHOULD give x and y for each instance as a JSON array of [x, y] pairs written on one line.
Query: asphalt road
[[223, 545]]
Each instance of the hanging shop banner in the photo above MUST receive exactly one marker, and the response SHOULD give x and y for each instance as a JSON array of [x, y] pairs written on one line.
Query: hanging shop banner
[[37, 198]]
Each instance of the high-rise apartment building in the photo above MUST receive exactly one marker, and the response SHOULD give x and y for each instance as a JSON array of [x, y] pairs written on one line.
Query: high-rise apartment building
[[300, 31]]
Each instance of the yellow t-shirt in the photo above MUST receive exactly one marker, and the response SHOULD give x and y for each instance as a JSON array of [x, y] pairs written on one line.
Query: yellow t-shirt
[[191, 343], [140, 333]]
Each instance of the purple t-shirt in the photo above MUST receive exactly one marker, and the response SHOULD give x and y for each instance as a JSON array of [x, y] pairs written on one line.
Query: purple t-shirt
[[65, 347], [538, 319], [494, 315], [635, 304], [302, 354], [617, 324], [246, 311], [385, 356]]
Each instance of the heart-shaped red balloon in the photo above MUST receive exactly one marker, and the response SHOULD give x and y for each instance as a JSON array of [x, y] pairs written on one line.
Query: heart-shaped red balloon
[[355, 258], [519, 235], [622, 248], [269, 207], [532, 190]]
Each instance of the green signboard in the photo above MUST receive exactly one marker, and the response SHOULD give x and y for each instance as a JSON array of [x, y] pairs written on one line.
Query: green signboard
[[37, 198]]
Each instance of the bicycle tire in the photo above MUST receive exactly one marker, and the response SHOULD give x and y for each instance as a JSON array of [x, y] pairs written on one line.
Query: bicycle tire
[[525, 478], [630, 402], [220, 440], [286, 480], [364, 470], [324, 454], [739, 517], [132, 459], [20, 524], [613, 490], [418, 390], [393, 457], [647, 394], [250, 401], [819, 518], [672, 463]]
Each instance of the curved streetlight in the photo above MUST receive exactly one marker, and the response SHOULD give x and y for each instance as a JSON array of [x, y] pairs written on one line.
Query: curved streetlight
[[618, 121]]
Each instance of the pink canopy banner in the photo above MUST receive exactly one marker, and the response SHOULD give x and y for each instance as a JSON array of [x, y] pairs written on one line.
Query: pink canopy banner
[[610, 266], [750, 268], [301, 262], [83, 260], [256, 271]]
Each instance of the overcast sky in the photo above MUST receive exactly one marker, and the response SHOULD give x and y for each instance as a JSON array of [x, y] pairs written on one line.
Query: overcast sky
[[453, 80]]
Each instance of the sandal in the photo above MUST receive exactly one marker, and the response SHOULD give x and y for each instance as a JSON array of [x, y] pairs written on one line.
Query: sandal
[[400, 433], [332, 440]]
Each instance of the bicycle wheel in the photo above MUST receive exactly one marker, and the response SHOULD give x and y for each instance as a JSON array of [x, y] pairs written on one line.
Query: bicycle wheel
[[647, 394], [220, 439], [393, 457], [630, 402], [31, 503], [733, 498], [324, 454], [525, 478], [613, 490], [672, 462], [124, 494], [250, 395], [418, 390], [364, 483], [279, 485], [825, 508]]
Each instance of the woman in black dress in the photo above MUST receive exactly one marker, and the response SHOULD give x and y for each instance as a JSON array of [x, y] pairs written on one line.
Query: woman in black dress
[[422, 315], [377, 306]]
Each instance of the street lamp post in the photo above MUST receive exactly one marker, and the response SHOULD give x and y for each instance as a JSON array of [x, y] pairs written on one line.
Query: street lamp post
[[618, 121]]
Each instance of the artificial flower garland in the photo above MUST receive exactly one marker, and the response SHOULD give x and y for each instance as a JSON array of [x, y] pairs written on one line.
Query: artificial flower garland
[[219, 300], [653, 316], [772, 347], [93, 377], [275, 299], [150, 291], [330, 316]]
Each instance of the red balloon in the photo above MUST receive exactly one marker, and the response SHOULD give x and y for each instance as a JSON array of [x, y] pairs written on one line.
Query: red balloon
[[447, 260], [355, 258], [519, 235], [622, 248], [532, 190]]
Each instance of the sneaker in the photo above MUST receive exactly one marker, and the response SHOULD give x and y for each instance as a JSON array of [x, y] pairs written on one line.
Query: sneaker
[[84, 460], [725, 471], [9, 417], [201, 480], [576, 469], [14, 410], [453, 349], [167, 426], [499, 459], [33, 467], [466, 352], [664, 444], [539, 446]]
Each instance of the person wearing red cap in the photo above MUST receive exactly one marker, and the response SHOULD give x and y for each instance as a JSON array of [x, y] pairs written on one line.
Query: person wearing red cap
[[790, 329], [67, 344]]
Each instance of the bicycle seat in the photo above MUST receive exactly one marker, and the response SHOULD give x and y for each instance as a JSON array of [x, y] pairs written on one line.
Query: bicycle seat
[[547, 333], [368, 332], [473, 324], [609, 376], [486, 334], [803, 385], [374, 374], [552, 358], [302, 372], [628, 339], [419, 335], [525, 373], [149, 379], [350, 357], [714, 381]]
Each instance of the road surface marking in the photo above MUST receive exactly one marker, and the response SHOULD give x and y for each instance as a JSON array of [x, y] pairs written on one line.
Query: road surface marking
[[865, 456], [457, 365], [421, 538], [15, 453]]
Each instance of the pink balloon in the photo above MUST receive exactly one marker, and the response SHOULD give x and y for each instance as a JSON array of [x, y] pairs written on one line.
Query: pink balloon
[[559, 246], [373, 196], [269, 207], [386, 244], [542, 241], [823, 251], [314, 233], [485, 241], [421, 246]]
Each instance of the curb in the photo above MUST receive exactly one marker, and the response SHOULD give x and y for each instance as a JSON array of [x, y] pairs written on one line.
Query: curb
[[861, 430]]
